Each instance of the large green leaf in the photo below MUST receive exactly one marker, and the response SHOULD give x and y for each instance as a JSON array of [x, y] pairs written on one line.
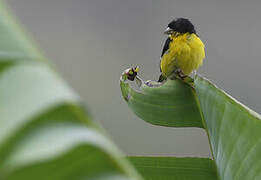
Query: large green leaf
[[234, 132], [169, 168], [45, 132], [170, 104]]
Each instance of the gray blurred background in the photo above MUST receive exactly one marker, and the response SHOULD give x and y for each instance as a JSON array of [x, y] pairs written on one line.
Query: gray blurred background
[[90, 42]]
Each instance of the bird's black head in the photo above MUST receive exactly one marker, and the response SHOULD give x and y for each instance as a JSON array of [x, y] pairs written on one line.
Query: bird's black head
[[180, 25]]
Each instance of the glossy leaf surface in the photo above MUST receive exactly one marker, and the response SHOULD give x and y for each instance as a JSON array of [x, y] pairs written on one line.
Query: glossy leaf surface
[[234, 132]]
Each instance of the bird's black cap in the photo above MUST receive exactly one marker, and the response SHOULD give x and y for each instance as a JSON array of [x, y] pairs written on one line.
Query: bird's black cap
[[182, 25]]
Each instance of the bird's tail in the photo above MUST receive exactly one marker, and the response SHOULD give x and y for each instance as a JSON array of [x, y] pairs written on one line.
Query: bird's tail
[[162, 78]]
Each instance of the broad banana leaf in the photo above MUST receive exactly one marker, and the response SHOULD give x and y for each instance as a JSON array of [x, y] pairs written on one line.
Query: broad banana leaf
[[170, 104], [234, 130], [45, 131]]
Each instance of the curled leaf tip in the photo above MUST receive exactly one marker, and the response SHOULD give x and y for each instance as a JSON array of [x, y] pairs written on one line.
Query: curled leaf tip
[[168, 103], [131, 75]]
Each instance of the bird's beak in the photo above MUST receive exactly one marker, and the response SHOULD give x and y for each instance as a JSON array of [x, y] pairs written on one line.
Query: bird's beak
[[168, 31]]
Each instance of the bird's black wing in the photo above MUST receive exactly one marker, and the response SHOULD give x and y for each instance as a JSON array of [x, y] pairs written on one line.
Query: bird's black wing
[[166, 46]]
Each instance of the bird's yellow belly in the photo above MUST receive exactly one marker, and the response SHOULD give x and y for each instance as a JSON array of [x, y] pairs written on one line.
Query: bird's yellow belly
[[186, 52]]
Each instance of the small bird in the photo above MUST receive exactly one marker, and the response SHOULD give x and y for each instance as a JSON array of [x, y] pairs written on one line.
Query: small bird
[[183, 51]]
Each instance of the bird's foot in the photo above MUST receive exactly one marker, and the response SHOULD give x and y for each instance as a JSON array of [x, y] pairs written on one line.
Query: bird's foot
[[180, 74]]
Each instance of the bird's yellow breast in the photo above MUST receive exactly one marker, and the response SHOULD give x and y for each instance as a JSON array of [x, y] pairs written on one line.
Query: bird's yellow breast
[[185, 52]]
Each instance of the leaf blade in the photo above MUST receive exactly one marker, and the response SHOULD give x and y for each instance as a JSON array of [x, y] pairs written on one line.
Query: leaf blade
[[168, 168], [234, 131], [169, 104], [34, 97]]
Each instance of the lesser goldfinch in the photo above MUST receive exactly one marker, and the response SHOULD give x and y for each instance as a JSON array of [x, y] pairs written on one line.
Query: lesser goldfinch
[[183, 51]]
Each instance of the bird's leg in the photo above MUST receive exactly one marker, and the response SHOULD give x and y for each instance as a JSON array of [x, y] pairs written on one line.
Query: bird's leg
[[162, 78], [180, 73], [185, 78]]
